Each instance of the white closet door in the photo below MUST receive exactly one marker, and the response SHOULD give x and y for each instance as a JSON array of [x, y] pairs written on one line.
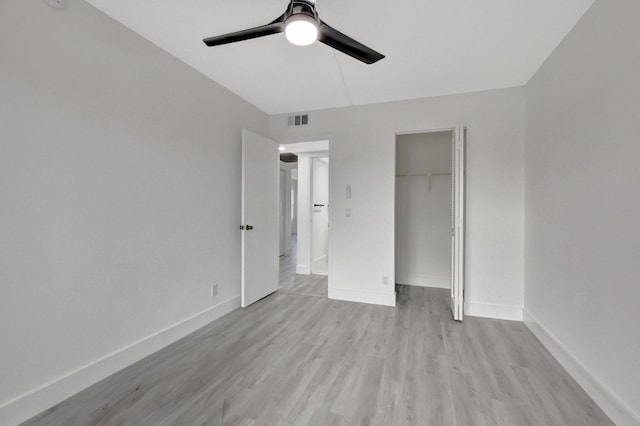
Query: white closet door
[[457, 223]]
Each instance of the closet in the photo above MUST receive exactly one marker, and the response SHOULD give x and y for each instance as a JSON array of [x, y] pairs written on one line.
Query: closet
[[423, 211]]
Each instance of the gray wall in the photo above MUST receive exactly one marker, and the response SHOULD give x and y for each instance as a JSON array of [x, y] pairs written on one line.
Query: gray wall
[[583, 201], [363, 156], [119, 190]]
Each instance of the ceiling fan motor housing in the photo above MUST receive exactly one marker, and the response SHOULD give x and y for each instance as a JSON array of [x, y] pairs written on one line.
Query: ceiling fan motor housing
[[302, 7]]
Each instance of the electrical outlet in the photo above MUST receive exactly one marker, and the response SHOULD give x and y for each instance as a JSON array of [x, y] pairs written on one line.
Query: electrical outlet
[[214, 290], [385, 280]]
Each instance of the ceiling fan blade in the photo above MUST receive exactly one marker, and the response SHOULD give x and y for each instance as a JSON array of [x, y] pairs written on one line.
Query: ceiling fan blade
[[334, 38], [275, 27]]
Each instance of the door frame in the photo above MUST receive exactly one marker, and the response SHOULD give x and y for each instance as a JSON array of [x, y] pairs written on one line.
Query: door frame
[[328, 154], [463, 213]]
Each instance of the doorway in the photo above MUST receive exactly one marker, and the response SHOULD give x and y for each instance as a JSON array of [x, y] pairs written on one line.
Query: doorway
[[305, 267], [429, 212]]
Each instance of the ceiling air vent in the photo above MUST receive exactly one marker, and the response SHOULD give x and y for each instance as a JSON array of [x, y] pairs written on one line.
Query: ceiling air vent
[[298, 120]]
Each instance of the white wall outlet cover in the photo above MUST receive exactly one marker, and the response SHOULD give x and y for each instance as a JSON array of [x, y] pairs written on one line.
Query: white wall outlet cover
[[56, 4]]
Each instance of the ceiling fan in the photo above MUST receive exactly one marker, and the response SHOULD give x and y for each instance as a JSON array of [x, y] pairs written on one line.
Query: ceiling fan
[[302, 26]]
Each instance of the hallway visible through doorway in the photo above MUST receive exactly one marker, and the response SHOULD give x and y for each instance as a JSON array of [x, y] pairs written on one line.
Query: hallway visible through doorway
[[290, 282]]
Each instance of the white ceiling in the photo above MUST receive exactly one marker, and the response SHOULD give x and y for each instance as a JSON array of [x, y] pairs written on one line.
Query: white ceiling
[[432, 47]]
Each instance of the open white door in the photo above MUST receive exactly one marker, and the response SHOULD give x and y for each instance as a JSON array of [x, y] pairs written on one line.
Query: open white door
[[259, 217], [457, 224]]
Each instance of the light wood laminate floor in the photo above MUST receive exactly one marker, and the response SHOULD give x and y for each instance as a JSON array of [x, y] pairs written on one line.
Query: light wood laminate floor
[[296, 359], [290, 282], [307, 285]]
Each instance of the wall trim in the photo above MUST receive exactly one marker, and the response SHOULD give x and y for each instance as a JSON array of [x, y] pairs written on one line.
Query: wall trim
[[25, 406], [422, 281], [490, 310], [617, 410], [362, 296]]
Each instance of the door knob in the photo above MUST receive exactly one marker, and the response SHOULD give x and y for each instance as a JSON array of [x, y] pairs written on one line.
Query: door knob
[[249, 227]]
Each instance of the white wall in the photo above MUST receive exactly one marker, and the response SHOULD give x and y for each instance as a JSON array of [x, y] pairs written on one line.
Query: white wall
[[424, 152], [583, 205], [119, 196], [319, 215], [423, 209], [362, 155]]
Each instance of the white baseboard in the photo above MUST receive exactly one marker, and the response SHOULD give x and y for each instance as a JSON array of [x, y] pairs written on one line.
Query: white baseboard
[[619, 412], [303, 269], [489, 310], [350, 295], [418, 281], [24, 407]]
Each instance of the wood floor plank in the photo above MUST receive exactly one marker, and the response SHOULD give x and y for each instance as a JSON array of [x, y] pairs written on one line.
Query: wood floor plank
[[298, 358]]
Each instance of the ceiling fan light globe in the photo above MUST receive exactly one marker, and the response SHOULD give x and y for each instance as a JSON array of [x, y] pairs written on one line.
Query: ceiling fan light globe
[[301, 30]]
